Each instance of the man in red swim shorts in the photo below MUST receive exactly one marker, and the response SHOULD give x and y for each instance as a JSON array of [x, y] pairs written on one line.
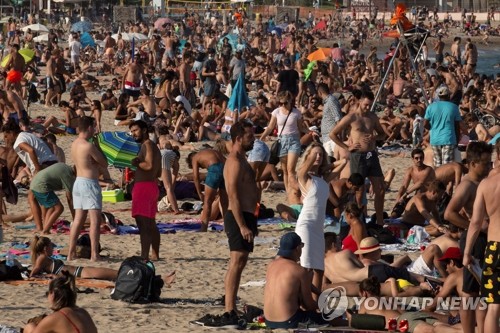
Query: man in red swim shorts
[[145, 192], [15, 65]]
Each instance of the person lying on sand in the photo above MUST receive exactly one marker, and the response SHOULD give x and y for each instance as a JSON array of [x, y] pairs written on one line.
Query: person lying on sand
[[42, 250]]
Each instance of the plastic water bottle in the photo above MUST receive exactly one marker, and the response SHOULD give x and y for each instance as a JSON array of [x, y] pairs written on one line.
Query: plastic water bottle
[[9, 259]]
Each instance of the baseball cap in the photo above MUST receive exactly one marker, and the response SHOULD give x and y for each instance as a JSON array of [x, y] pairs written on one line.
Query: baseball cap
[[185, 103], [451, 253], [287, 62], [443, 91], [288, 244], [367, 245]]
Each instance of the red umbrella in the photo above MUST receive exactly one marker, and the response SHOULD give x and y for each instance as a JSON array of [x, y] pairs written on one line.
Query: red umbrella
[[320, 26], [159, 24]]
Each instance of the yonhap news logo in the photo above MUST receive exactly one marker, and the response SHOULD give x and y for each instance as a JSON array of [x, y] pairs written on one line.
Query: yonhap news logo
[[333, 303]]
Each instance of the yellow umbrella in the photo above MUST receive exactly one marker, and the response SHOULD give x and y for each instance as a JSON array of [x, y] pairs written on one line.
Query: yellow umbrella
[[320, 54], [27, 54]]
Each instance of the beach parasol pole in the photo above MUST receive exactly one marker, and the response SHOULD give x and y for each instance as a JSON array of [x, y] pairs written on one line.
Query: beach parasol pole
[[133, 48]]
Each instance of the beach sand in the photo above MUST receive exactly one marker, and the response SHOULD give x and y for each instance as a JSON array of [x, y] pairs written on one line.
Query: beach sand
[[200, 260]]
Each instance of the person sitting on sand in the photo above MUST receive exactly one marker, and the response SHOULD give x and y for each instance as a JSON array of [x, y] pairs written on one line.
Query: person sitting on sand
[[419, 173], [422, 208], [122, 116], [78, 94], [109, 100], [428, 261], [68, 125], [357, 229], [347, 190], [56, 150], [67, 317], [42, 250], [288, 296]]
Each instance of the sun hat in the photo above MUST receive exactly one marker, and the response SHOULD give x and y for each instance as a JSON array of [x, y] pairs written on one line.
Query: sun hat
[[367, 245], [451, 253], [288, 244]]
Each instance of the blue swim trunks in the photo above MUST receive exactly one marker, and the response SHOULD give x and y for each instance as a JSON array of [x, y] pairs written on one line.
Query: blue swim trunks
[[47, 200], [215, 176]]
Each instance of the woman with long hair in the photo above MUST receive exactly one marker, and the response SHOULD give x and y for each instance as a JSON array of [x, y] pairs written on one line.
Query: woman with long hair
[[310, 224], [290, 125], [67, 317]]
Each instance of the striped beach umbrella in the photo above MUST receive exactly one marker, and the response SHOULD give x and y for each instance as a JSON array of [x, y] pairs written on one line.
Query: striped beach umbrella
[[119, 148]]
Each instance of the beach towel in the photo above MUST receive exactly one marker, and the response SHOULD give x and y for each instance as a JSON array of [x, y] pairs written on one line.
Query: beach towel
[[8, 329], [88, 283]]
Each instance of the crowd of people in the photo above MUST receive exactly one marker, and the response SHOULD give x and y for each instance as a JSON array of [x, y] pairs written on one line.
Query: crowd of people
[[176, 87]]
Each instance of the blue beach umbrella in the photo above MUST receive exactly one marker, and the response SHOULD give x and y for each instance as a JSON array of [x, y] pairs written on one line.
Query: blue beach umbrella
[[82, 26], [239, 97], [87, 40]]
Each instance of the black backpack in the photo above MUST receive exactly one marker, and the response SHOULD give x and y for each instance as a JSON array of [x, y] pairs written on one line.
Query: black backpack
[[9, 273], [137, 282]]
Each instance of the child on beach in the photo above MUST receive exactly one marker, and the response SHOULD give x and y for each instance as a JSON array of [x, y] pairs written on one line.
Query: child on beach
[[42, 261]]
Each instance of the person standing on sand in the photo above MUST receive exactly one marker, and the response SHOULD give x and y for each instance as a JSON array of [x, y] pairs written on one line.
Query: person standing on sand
[[87, 195], [132, 78], [365, 131], [486, 207], [240, 223], [145, 192]]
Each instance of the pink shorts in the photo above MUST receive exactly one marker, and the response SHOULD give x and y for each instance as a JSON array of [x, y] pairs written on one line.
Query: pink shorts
[[145, 199]]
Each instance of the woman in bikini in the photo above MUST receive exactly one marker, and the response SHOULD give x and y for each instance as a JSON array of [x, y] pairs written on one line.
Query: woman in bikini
[[41, 256], [122, 116], [67, 317]]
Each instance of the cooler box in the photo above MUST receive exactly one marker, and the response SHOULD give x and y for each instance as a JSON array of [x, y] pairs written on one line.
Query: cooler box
[[113, 196]]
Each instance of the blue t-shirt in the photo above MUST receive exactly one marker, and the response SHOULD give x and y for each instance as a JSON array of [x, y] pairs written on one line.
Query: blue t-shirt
[[442, 116]]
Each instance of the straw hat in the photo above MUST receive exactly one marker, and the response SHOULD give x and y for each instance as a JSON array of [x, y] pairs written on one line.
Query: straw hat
[[367, 245]]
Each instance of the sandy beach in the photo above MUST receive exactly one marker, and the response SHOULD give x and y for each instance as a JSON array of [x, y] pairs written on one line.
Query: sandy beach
[[200, 259]]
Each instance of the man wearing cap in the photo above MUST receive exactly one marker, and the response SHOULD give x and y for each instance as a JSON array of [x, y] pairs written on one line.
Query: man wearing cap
[[287, 296], [443, 119], [452, 260]]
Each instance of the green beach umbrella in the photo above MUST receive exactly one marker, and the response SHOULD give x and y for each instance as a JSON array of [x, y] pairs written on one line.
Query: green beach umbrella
[[119, 148]]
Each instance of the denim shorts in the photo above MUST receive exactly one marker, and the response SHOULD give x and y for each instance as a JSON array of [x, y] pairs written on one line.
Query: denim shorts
[[290, 144], [259, 153]]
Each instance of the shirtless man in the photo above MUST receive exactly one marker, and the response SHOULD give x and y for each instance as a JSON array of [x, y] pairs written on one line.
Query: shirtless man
[[53, 86], [109, 45], [423, 207], [459, 213], [453, 84], [439, 49], [429, 259], [486, 206], [348, 190], [184, 76], [451, 175], [12, 106], [471, 58], [145, 192], [455, 49], [15, 65], [291, 211], [132, 78], [420, 174], [287, 295], [147, 102], [365, 130], [213, 161], [87, 195], [240, 223]]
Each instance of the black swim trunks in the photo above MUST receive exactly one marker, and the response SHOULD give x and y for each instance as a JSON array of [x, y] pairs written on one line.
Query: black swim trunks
[[236, 241], [490, 288], [470, 284], [367, 164], [306, 318]]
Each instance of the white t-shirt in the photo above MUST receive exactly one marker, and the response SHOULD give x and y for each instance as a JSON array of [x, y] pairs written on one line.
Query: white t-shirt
[[75, 47], [291, 127], [42, 151]]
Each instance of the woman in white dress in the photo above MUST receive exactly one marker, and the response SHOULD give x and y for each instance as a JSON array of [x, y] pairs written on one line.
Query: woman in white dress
[[310, 224]]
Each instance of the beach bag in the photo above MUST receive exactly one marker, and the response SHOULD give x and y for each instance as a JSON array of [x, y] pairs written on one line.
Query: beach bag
[[275, 147], [137, 282], [9, 273], [383, 235]]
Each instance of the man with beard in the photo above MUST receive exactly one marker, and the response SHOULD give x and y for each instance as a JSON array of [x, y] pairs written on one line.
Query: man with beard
[[240, 222], [145, 192]]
